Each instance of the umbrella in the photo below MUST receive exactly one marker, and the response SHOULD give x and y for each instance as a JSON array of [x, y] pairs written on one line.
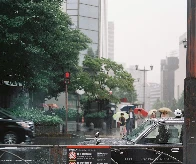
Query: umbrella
[[111, 106], [152, 111], [118, 114], [143, 111], [164, 109], [126, 108], [43, 105], [53, 105]]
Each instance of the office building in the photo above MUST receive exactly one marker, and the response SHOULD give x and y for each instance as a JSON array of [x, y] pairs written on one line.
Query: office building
[[168, 68], [90, 16], [111, 40], [155, 93]]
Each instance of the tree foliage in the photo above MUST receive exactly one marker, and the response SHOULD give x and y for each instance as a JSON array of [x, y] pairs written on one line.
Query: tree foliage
[[158, 104], [37, 45], [180, 102], [99, 76]]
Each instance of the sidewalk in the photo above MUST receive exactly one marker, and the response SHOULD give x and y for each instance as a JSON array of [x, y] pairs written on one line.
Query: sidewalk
[[109, 133]]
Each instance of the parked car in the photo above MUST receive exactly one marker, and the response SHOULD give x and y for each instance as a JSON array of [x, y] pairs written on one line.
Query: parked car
[[155, 141], [14, 130]]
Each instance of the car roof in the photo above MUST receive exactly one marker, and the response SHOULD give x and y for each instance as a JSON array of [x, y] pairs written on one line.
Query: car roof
[[167, 120]]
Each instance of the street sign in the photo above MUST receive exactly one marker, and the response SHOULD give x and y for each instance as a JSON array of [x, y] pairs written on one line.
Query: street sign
[[88, 154]]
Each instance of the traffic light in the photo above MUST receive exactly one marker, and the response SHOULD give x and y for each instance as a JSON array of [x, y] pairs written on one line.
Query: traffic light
[[67, 77]]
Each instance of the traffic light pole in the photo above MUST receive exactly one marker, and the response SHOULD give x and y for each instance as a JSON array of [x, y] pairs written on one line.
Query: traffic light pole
[[66, 107], [189, 139], [66, 81]]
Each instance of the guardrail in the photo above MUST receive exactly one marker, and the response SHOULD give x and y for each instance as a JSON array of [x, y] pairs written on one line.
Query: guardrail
[[87, 154]]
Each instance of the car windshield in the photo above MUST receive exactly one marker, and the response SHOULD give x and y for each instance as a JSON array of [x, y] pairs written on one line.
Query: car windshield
[[7, 113], [136, 132]]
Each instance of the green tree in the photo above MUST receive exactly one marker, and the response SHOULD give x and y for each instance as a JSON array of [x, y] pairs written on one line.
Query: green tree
[[122, 93], [99, 75], [158, 104], [180, 102], [173, 106], [37, 45]]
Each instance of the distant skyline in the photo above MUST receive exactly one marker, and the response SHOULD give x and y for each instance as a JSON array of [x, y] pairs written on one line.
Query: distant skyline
[[146, 31]]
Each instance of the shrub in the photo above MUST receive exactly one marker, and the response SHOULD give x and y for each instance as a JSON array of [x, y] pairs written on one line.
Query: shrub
[[61, 113], [37, 116], [101, 114]]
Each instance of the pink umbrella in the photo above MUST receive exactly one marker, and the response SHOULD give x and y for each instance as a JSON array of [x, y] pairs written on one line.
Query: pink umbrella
[[53, 105], [43, 105]]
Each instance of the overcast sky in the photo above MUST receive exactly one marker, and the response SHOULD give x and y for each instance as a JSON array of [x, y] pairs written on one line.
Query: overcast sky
[[146, 31]]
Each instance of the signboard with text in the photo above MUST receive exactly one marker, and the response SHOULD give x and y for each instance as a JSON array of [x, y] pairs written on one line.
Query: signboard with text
[[88, 154]]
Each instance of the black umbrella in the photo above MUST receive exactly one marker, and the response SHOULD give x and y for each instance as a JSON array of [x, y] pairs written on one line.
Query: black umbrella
[[126, 108], [111, 106]]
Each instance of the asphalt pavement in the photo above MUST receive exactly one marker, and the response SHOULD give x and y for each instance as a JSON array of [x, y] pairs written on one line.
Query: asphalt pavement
[[78, 136], [85, 131]]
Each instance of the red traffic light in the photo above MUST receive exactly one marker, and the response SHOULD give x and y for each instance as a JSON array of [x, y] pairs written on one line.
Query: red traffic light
[[67, 75]]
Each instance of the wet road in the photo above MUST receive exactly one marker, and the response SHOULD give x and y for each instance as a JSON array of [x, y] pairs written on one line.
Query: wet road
[[57, 140], [76, 137]]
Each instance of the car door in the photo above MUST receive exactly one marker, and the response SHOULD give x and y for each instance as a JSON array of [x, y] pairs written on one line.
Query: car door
[[166, 142], [162, 144]]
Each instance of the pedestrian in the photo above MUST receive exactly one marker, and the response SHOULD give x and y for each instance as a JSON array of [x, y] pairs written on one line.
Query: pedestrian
[[164, 114], [153, 115], [139, 118], [122, 122], [130, 124]]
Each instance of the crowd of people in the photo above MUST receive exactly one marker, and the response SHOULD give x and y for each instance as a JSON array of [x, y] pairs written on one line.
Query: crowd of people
[[135, 120]]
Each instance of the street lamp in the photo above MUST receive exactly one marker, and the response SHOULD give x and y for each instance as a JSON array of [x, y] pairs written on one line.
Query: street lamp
[[144, 70]]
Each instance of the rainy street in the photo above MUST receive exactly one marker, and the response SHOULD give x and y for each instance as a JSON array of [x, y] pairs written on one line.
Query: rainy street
[[43, 151]]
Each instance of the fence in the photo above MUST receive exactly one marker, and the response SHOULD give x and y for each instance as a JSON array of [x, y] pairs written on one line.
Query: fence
[[87, 154]]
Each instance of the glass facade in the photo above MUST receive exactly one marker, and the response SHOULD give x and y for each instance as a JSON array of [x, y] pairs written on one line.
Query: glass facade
[[85, 16]]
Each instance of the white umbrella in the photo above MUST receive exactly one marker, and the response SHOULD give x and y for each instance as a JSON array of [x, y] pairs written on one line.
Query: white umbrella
[[152, 111], [118, 114], [164, 109]]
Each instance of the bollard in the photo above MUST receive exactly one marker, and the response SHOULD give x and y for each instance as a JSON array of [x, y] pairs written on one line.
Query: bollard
[[104, 126], [61, 128], [91, 126]]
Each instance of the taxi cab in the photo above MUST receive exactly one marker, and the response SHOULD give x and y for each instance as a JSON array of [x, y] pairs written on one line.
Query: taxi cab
[[155, 141]]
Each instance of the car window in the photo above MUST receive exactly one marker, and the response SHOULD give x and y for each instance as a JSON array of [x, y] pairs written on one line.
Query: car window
[[139, 130], [3, 116], [164, 134]]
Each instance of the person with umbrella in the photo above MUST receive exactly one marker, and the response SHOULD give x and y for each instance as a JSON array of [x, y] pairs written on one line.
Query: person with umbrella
[[130, 124], [139, 118]]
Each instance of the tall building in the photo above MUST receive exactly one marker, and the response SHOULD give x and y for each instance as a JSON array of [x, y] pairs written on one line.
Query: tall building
[[139, 85], [111, 40], [155, 93], [168, 68], [90, 16], [180, 73]]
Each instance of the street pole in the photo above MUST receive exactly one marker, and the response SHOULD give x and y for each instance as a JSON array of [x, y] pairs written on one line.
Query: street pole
[[66, 81], [144, 70], [66, 107], [144, 86], [189, 139]]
